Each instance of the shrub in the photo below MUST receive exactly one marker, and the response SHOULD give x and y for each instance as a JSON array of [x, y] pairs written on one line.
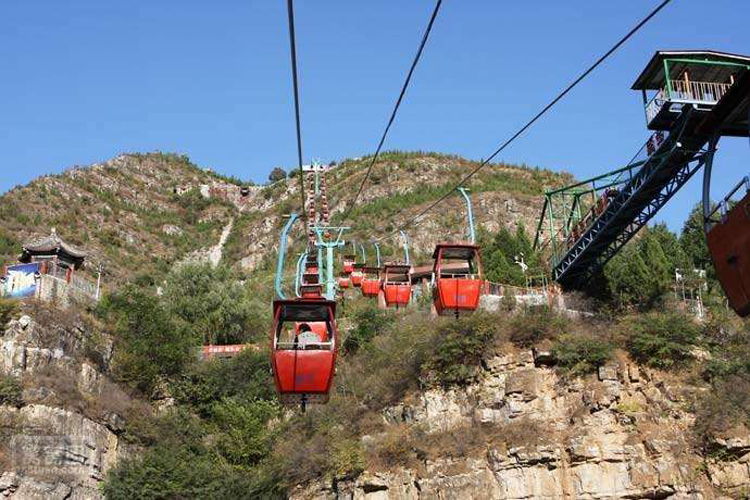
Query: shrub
[[246, 377], [580, 354], [148, 345], [243, 436], [458, 349], [8, 243], [662, 340], [10, 391], [7, 309], [535, 325], [369, 322], [347, 458], [211, 304], [725, 406]]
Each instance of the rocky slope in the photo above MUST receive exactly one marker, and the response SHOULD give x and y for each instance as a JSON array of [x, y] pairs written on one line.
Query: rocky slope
[[524, 432], [63, 434]]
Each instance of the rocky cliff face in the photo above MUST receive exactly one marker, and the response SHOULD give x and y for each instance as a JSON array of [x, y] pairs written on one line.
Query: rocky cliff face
[[623, 433], [64, 437]]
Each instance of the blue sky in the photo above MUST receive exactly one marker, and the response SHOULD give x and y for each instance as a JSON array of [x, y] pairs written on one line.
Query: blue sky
[[84, 80]]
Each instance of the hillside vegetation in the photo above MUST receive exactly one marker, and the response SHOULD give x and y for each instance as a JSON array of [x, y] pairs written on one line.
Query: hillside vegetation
[[120, 212], [412, 393]]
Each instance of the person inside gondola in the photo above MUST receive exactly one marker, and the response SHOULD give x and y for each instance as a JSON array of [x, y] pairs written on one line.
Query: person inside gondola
[[306, 336]]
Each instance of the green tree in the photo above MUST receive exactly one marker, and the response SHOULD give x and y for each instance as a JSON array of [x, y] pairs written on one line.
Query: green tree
[[500, 253], [211, 304], [642, 273], [277, 174], [694, 246], [149, 346]]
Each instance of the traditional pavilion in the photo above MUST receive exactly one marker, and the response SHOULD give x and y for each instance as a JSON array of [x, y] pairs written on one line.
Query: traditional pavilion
[[53, 252]]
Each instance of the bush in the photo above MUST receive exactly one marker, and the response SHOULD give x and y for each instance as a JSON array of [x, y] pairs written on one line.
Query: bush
[[369, 322], [148, 345], [724, 407], [7, 309], [211, 304], [662, 340], [535, 325], [458, 349], [182, 461], [10, 391], [8, 243], [247, 377], [580, 354], [242, 434]]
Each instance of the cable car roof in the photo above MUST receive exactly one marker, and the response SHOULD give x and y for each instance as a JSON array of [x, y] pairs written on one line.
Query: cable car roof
[[652, 77], [397, 268], [305, 309], [456, 250]]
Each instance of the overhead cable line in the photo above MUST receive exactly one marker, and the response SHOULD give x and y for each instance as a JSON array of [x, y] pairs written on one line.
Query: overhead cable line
[[414, 63], [293, 46], [416, 219]]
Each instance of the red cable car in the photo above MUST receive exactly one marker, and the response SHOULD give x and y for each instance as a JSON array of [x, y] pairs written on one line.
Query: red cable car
[[397, 285], [311, 274], [304, 345], [344, 281], [458, 278], [371, 282], [729, 244], [348, 265], [357, 275]]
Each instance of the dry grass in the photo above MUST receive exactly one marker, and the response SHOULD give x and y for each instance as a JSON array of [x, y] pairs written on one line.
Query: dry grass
[[410, 446]]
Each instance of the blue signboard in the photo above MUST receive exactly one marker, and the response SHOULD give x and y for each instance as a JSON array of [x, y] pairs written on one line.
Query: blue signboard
[[20, 280]]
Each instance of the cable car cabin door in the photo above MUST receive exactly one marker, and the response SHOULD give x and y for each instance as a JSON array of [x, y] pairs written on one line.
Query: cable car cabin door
[[729, 245], [458, 279], [304, 350]]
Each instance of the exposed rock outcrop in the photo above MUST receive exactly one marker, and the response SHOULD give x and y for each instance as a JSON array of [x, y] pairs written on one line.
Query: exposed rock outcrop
[[50, 451], [621, 433]]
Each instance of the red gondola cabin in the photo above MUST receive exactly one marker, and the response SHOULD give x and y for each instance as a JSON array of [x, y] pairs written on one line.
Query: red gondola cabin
[[348, 264], [397, 285], [357, 275], [344, 281], [304, 344], [458, 278], [371, 282]]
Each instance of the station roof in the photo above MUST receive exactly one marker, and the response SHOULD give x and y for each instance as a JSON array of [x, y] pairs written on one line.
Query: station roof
[[652, 77]]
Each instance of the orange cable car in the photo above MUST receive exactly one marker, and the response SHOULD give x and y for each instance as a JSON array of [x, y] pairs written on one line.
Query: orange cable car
[[371, 282], [348, 263], [458, 278], [357, 275], [304, 345], [397, 285], [344, 281]]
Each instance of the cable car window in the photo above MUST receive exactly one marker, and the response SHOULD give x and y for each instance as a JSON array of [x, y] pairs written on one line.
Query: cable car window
[[302, 336]]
